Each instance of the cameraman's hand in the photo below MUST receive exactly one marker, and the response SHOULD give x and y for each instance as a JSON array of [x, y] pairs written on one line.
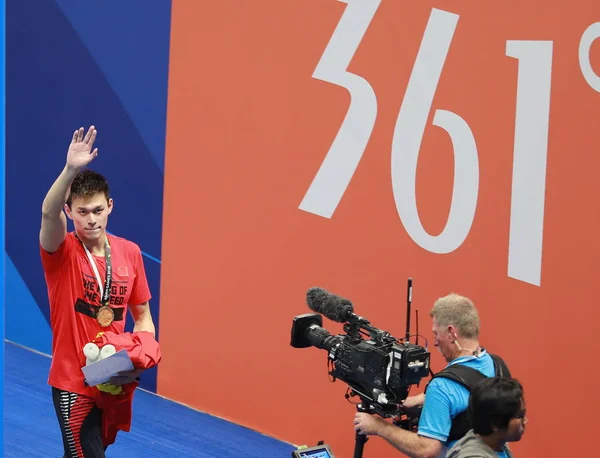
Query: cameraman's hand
[[368, 424], [414, 401]]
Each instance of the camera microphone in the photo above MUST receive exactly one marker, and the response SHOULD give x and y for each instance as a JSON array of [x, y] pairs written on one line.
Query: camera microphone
[[334, 307]]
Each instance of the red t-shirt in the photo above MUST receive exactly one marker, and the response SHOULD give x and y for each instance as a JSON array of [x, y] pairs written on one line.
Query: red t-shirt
[[72, 288]]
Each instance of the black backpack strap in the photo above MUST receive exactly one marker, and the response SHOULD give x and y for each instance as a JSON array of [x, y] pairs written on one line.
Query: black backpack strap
[[468, 377], [500, 367]]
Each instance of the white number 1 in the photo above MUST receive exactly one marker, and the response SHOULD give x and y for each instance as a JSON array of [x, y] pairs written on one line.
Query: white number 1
[[529, 163]]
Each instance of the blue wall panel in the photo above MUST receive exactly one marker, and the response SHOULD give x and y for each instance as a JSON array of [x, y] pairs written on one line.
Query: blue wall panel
[[129, 41], [2, 211], [25, 322]]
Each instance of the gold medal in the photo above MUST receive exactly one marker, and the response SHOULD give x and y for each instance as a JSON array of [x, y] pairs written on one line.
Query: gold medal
[[105, 316]]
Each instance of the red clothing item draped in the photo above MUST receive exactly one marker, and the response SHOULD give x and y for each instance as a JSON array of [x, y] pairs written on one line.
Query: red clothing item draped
[[144, 352]]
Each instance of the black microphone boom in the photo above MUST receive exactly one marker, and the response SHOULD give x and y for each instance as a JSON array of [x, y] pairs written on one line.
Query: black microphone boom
[[334, 307], [341, 310]]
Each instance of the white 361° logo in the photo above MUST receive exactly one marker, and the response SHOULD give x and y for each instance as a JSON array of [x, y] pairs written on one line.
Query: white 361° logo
[[530, 140]]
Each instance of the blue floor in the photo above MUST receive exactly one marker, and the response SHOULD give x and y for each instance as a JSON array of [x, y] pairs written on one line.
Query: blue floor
[[160, 428]]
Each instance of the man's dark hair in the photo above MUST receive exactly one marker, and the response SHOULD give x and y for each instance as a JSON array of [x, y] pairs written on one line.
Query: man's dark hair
[[87, 183], [494, 402]]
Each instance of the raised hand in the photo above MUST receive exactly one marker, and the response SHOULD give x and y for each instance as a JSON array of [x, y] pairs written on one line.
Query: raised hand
[[80, 152]]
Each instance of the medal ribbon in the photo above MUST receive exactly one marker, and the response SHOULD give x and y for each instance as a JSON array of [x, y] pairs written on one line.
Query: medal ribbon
[[104, 291]]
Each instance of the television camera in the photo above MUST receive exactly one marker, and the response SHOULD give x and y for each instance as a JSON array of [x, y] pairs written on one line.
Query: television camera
[[378, 368]]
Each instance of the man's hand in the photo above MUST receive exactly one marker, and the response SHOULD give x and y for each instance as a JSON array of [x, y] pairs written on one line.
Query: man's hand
[[125, 377], [368, 424], [414, 401], [408, 442], [80, 152]]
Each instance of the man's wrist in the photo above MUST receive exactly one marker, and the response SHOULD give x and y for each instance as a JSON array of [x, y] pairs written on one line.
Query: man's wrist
[[71, 171], [384, 429]]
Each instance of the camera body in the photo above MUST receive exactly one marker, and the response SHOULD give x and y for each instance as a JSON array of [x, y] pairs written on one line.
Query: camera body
[[380, 369]]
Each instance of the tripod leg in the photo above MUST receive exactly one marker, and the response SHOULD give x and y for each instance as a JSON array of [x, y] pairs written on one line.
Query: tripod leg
[[359, 444]]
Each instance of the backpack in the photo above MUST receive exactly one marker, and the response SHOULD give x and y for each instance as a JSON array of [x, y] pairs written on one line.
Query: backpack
[[468, 377]]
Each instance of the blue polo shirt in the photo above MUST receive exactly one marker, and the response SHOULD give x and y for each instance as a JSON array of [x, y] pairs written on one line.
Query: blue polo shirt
[[445, 399]]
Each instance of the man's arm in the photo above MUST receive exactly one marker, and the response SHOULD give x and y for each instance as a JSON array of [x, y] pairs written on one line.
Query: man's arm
[[143, 318], [143, 322], [414, 401], [54, 222], [409, 443]]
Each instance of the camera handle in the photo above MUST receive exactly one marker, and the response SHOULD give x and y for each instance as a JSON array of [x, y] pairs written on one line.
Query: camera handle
[[361, 439]]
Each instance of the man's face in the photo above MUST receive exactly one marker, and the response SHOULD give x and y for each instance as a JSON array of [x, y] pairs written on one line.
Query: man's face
[[516, 426], [90, 216], [443, 340]]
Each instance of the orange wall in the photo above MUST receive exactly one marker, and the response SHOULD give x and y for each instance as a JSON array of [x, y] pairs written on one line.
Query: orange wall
[[248, 129]]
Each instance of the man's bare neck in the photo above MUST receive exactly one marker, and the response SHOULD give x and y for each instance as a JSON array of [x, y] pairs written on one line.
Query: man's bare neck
[[467, 348], [96, 247]]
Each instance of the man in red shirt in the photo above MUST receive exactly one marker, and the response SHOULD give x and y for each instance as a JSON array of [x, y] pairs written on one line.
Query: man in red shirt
[[93, 278]]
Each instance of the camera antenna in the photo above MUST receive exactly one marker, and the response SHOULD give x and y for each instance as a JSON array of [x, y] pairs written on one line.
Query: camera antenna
[[408, 302], [417, 318]]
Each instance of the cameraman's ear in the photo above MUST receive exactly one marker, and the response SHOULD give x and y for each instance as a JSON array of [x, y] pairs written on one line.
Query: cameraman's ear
[[452, 333]]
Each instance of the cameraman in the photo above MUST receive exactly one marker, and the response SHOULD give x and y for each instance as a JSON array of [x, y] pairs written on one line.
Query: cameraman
[[456, 330]]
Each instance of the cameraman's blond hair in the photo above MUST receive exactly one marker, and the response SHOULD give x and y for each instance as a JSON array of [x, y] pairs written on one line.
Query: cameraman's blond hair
[[458, 311]]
